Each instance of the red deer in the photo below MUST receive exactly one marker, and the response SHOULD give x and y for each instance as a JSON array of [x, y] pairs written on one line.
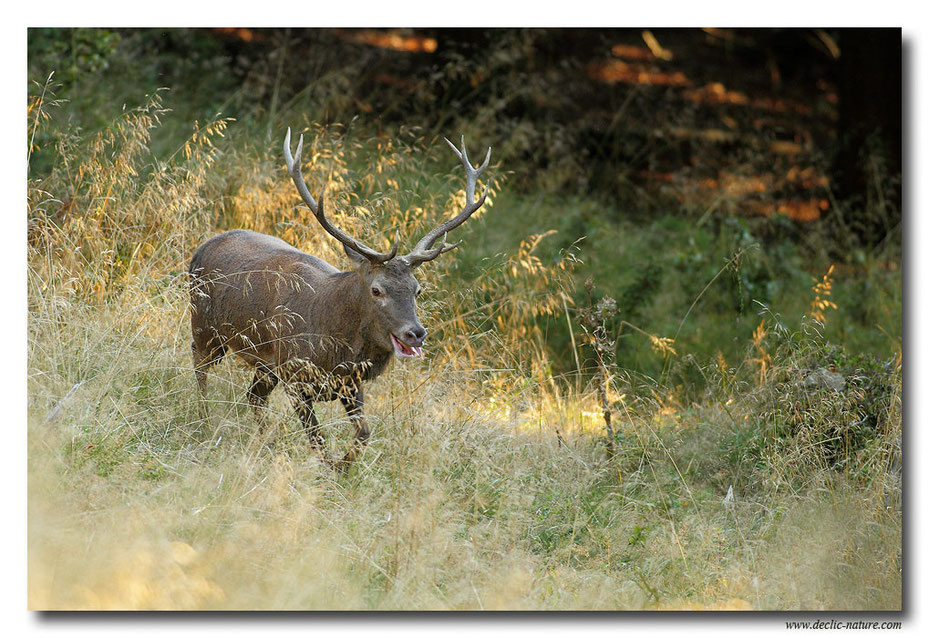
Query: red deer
[[298, 320]]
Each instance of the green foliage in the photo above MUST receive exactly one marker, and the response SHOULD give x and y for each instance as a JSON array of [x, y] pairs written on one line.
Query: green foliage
[[638, 295], [73, 53]]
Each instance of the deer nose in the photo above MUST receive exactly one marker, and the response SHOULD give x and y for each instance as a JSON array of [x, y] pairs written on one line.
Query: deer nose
[[415, 336]]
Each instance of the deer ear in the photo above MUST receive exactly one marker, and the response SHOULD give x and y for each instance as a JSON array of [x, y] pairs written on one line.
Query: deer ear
[[354, 255]]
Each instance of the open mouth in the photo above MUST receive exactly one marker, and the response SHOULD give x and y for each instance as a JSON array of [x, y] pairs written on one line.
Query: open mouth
[[402, 349]]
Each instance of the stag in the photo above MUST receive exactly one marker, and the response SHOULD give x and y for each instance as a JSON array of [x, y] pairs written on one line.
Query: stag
[[297, 320]]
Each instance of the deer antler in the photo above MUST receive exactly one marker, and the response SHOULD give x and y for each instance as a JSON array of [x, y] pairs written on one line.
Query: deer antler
[[293, 167], [423, 251]]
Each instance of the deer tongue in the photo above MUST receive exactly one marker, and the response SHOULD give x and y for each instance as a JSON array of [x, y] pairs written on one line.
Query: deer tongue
[[402, 349]]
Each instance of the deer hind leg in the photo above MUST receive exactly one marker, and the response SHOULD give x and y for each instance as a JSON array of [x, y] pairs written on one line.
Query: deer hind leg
[[354, 406], [262, 384], [205, 356]]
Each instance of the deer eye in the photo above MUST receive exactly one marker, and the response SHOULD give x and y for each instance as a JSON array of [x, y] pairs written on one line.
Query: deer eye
[[377, 292]]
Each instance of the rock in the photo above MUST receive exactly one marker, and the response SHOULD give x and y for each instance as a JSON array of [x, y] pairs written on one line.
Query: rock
[[824, 378]]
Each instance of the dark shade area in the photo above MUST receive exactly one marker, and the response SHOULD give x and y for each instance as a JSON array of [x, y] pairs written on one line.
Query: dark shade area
[[787, 121]]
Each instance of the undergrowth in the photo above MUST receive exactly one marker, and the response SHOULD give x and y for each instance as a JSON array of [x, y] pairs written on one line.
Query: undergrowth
[[755, 461]]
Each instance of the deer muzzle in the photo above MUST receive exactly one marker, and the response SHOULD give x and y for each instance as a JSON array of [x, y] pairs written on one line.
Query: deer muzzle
[[410, 342]]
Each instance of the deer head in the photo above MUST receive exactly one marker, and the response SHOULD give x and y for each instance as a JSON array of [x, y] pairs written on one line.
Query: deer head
[[387, 278]]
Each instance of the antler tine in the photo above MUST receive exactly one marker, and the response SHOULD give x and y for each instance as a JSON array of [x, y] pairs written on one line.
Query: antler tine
[[472, 173], [453, 147], [393, 249], [423, 251], [416, 258], [293, 167]]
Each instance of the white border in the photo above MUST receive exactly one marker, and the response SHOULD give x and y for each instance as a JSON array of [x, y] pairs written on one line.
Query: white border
[[785, 13]]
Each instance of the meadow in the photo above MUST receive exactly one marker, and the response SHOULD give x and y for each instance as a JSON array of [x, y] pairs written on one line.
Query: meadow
[[616, 411]]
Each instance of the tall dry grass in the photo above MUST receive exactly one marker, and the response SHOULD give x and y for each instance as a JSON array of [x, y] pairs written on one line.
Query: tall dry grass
[[485, 484]]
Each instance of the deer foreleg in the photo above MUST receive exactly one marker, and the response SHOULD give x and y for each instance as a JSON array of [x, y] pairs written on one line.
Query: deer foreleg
[[304, 402]]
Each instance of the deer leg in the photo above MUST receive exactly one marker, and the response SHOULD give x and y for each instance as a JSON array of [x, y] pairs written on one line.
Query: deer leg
[[262, 385], [304, 401], [354, 406], [205, 356]]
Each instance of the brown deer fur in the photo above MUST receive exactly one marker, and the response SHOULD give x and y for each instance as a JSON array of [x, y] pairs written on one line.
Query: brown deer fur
[[298, 320]]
